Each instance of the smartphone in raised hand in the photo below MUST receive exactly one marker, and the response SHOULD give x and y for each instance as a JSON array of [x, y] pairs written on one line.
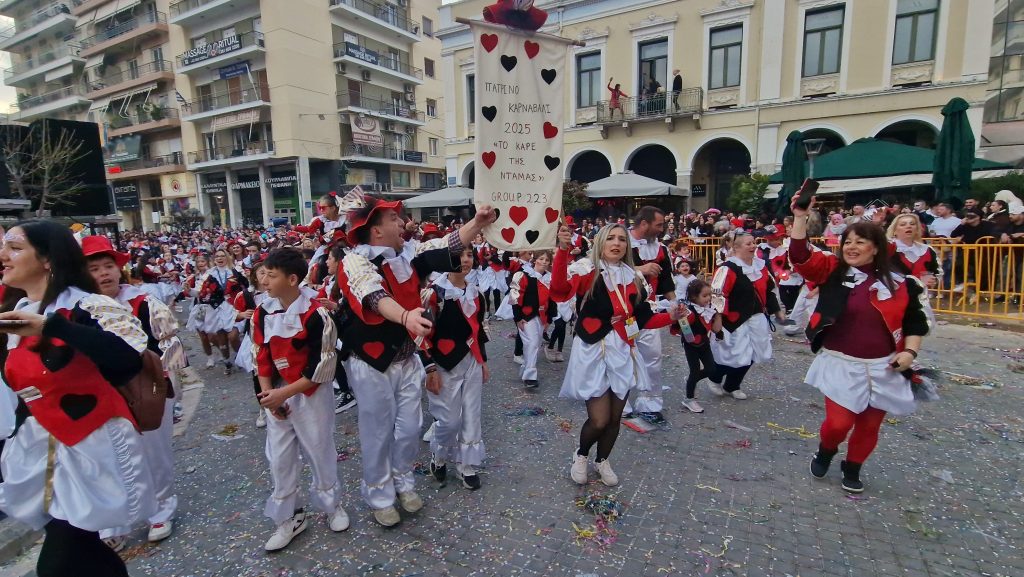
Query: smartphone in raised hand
[[806, 193]]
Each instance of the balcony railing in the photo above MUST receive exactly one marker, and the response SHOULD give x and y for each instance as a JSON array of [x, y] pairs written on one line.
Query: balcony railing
[[172, 159], [179, 8], [690, 101], [378, 105], [230, 152], [124, 27], [371, 55], [225, 99], [32, 102], [37, 18], [117, 122], [385, 152], [219, 47], [384, 13], [42, 59], [108, 80]]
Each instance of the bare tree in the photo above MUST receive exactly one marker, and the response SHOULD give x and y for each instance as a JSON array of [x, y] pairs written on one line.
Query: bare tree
[[43, 164]]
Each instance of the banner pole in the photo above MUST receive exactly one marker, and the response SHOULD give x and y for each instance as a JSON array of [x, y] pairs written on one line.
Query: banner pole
[[504, 28]]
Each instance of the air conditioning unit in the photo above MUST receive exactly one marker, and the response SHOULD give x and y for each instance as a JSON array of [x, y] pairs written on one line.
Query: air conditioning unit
[[340, 67], [389, 126], [366, 75], [410, 130], [410, 97]]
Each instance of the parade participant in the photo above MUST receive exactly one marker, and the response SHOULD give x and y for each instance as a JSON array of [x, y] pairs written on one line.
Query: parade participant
[[75, 464], [686, 273], [380, 278], [190, 289], [245, 304], [560, 314], [528, 294], [293, 344], [745, 288], [724, 250], [777, 255], [604, 365], [910, 256], [493, 278], [806, 301], [866, 331], [213, 312], [330, 298], [105, 264], [654, 263], [580, 246], [702, 322], [330, 217], [455, 389]]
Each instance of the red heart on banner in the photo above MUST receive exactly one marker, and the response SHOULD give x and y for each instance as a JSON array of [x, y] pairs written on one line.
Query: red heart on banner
[[489, 41], [375, 349], [488, 158], [591, 325], [550, 214], [518, 214], [508, 234], [550, 130], [445, 346], [532, 48]]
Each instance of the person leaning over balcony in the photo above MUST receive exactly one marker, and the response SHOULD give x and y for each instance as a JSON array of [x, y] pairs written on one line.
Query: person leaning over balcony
[[614, 102], [677, 87]]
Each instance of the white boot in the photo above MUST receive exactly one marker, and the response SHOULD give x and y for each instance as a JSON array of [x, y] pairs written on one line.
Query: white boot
[[578, 472]]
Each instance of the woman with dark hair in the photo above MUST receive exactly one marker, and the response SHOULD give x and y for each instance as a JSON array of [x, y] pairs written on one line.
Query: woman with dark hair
[[74, 464], [213, 312], [866, 328]]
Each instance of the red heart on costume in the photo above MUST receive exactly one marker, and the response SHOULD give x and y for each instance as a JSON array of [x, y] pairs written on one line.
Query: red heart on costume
[[532, 48], [489, 41], [732, 316], [508, 234], [815, 319], [591, 325], [698, 339], [550, 130], [518, 214], [446, 346], [550, 214], [375, 349], [527, 310], [488, 158]]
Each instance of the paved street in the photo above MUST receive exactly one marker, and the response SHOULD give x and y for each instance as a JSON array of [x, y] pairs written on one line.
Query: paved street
[[702, 496]]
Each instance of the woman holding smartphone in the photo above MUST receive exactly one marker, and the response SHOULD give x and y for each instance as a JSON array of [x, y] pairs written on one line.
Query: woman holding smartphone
[[74, 464]]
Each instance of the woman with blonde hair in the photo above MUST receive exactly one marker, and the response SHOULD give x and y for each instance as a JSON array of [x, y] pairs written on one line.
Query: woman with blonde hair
[[911, 256], [604, 365]]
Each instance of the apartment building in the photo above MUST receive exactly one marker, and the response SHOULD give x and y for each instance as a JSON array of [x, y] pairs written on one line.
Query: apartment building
[[752, 71], [1002, 136]]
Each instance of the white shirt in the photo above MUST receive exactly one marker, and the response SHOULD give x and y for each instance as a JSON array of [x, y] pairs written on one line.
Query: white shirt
[[944, 226]]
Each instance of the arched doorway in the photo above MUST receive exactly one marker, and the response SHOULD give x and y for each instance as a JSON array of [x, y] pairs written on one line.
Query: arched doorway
[[468, 176], [654, 161], [589, 166], [910, 132], [833, 141], [714, 167]]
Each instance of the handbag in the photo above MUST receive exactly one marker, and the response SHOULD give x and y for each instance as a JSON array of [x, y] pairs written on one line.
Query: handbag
[[147, 393]]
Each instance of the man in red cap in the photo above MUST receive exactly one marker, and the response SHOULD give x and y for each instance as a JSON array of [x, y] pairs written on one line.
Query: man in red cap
[[775, 252], [580, 246], [380, 279]]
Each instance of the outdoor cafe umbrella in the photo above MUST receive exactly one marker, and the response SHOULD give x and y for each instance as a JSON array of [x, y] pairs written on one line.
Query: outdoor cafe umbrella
[[453, 197], [628, 184], [954, 154], [794, 171]]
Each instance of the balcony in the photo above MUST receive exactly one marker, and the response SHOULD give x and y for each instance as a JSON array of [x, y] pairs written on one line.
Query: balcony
[[216, 54], [190, 12], [133, 29], [660, 107], [142, 121], [386, 109], [224, 102], [121, 80], [55, 19], [370, 60], [54, 65], [386, 155], [167, 164], [384, 17], [34, 106], [225, 155], [6, 6], [83, 7]]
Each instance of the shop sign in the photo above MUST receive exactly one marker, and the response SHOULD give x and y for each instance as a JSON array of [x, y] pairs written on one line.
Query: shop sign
[[211, 50], [361, 53], [126, 196]]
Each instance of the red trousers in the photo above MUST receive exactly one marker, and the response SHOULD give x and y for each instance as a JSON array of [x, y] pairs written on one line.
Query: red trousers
[[837, 424]]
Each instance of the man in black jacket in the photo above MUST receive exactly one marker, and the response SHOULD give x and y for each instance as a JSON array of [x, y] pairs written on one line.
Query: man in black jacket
[[677, 87]]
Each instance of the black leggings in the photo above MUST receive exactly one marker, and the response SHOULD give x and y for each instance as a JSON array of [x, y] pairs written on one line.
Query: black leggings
[[695, 357], [789, 293], [557, 334], [519, 345], [69, 550], [487, 300], [733, 377], [604, 414]]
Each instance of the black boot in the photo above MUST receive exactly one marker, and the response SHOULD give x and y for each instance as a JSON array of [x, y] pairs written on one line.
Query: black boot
[[821, 462], [851, 477]]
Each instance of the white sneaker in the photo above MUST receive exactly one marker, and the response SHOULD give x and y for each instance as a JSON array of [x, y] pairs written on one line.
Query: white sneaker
[[286, 532], [429, 435], [338, 520], [410, 501], [210, 363], [517, 359], [693, 406], [116, 544], [558, 357], [716, 389], [959, 288], [160, 531], [549, 354], [387, 517], [738, 395], [578, 472], [608, 477], [261, 419]]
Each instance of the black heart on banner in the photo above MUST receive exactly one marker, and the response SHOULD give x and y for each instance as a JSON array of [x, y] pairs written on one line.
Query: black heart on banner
[[531, 235], [509, 62], [548, 74], [489, 112], [552, 162], [497, 214]]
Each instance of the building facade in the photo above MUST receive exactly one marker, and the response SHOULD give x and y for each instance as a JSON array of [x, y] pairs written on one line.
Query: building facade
[[752, 71], [1002, 136]]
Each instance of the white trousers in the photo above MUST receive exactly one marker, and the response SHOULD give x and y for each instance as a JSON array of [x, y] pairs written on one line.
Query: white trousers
[[390, 419], [533, 339], [309, 428], [458, 434], [648, 346]]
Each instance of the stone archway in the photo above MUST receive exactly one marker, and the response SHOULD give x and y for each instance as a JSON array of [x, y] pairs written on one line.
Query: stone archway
[[468, 179], [588, 166], [833, 141], [654, 161], [714, 167], [910, 132]]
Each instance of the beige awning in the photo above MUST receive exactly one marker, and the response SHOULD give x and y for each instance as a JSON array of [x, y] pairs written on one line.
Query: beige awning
[[237, 119], [130, 93], [111, 8], [94, 60]]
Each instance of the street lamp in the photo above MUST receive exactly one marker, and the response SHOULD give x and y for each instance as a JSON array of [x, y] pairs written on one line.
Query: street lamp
[[220, 204], [813, 147]]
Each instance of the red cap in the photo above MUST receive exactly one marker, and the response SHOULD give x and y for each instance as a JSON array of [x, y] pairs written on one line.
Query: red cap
[[356, 220], [775, 231], [737, 222], [430, 231], [569, 222], [100, 245]]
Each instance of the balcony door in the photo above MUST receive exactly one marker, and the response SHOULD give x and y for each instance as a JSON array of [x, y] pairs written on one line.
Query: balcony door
[[235, 90]]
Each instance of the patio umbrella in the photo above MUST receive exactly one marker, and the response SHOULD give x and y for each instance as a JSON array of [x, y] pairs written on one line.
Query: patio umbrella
[[794, 171], [954, 154], [452, 197]]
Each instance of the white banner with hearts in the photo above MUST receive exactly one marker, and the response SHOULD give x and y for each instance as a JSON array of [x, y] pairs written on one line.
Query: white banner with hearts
[[520, 109]]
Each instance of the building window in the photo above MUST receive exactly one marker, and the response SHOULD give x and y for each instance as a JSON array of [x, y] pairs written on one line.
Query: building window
[[823, 41], [431, 108], [1004, 100], [915, 31], [653, 64], [432, 146], [726, 53], [428, 67], [428, 27], [430, 180], [400, 178], [588, 79], [471, 96]]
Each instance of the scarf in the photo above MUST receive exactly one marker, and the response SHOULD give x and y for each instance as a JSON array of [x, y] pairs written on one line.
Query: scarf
[[856, 277], [618, 274], [284, 324], [912, 252], [400, 263], [466, 297], [753, 270]]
